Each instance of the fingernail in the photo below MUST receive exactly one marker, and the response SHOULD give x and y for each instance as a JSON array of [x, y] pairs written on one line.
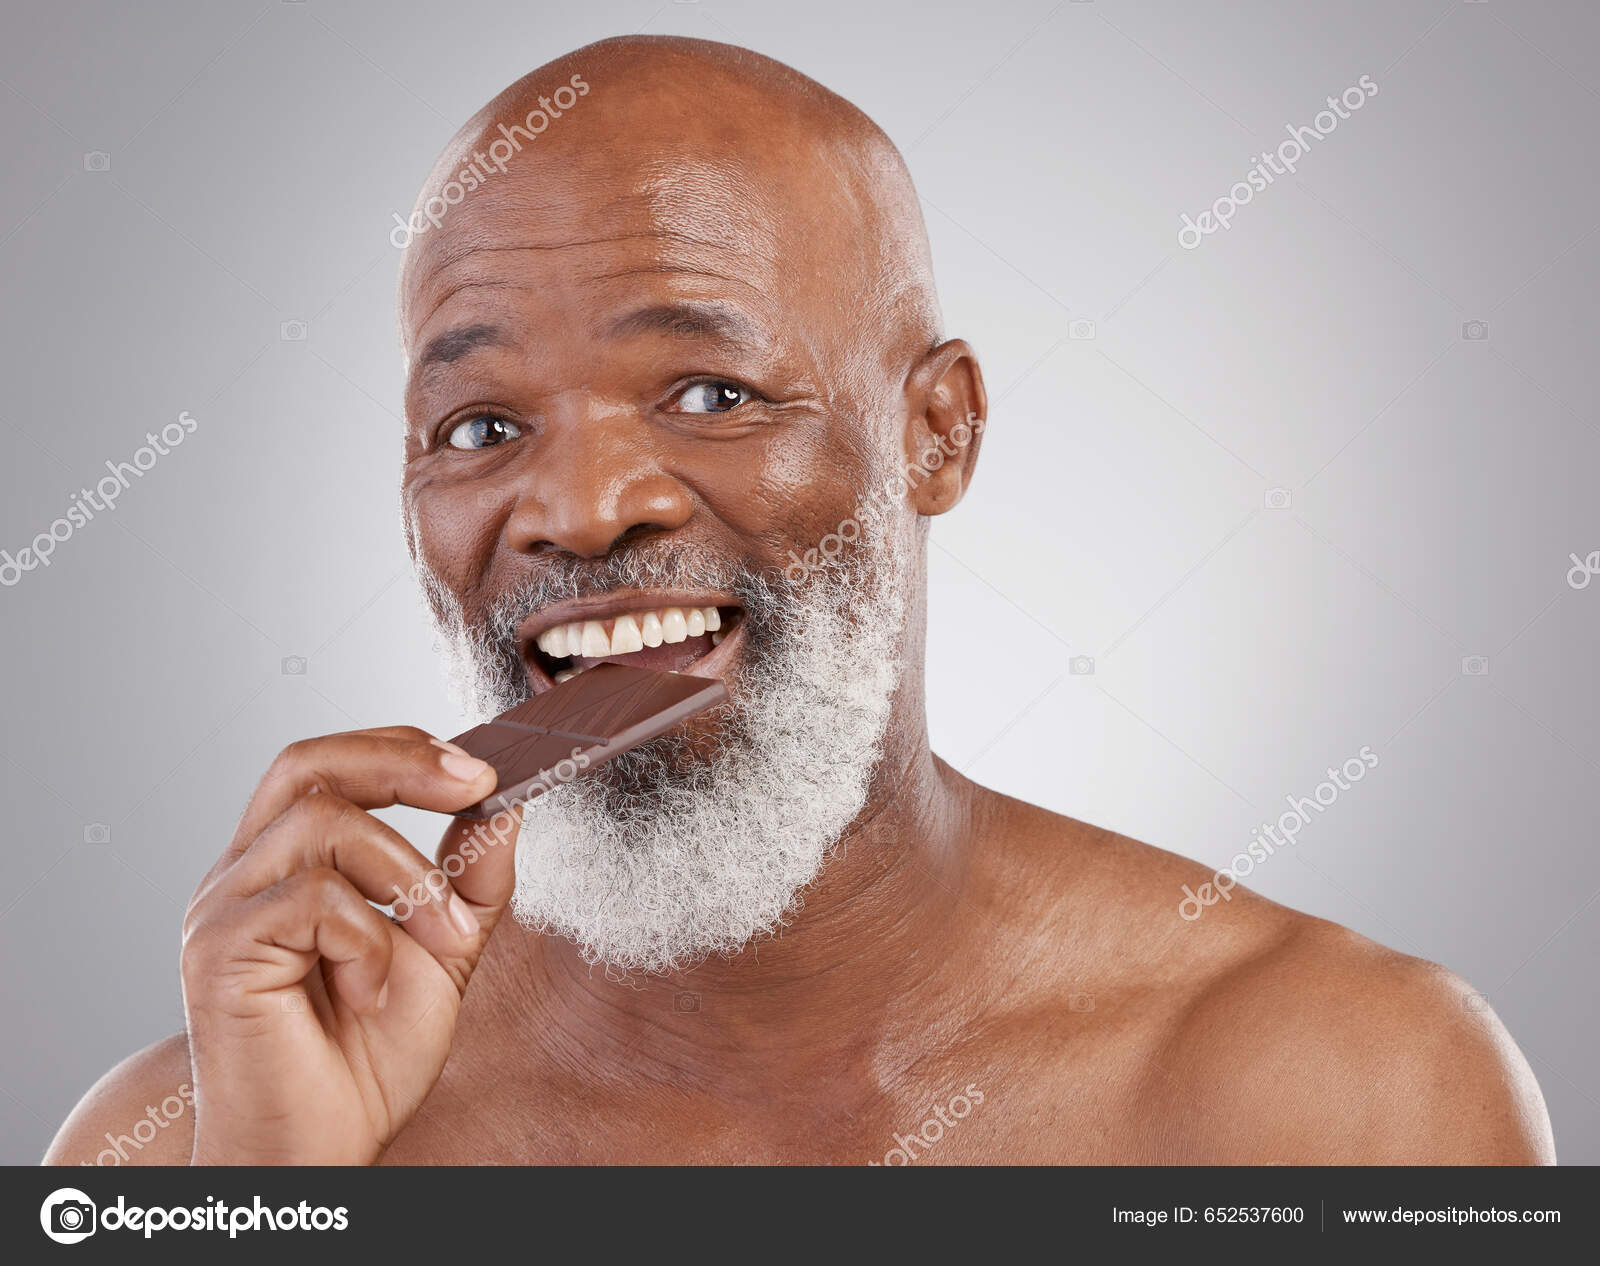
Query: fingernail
[[460, 765], [383, 995], [466, 922]]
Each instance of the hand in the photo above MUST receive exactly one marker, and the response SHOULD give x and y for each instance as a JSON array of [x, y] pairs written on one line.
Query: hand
[[317, 1024]]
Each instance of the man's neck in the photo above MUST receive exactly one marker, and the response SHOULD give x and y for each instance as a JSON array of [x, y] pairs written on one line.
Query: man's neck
[[855, 963]]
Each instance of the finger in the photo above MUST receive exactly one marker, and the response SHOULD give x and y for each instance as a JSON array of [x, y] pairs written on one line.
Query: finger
[[268, 943], [328, 831], [480, 860], [370, 768]]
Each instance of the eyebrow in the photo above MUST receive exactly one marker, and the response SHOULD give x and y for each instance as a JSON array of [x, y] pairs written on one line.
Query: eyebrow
[[452, 345], [688, 319]]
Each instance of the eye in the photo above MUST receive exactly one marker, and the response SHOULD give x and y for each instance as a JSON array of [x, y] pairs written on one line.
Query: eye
[[482, 432], [712, 397]]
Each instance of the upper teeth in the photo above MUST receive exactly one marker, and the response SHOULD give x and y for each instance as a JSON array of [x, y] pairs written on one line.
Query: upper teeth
[[628, 633]]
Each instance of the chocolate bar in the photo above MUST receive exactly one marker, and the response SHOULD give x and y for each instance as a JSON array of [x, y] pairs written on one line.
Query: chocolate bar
[[602, 712]]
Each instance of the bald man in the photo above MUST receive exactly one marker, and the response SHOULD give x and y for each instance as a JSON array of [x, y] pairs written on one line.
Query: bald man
[[678, 396]]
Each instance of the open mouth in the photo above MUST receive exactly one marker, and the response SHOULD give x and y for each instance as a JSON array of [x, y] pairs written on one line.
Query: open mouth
[[643, 631]]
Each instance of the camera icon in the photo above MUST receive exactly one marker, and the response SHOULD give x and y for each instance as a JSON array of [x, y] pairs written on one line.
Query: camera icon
[[67, 1216], [1080, 1002], [1081, 329], [1081, 666], [1475, 1001], [1475, 666], [293, 666], [96, 833], [1475, 331], [685, 1002], [72, 1216], [97, 160], [292, 331], [1277, 499]]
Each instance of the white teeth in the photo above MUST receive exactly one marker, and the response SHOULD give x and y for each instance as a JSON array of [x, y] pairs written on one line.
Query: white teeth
[[625, 638], [553, 642], [566, 674], [631, 632], [595, 643]]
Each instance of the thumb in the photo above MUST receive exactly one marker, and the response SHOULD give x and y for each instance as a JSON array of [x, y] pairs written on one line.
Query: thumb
[[479, 858]]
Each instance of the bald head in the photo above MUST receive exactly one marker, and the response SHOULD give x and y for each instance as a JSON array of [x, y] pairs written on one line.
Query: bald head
[[707, 145]]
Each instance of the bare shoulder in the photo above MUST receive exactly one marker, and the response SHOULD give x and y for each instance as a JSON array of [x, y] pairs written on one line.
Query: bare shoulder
[[1327, 1047], [139, 1113], [1249, 1032]]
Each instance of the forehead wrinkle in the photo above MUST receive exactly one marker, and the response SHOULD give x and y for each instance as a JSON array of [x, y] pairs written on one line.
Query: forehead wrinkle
[[483, 274], [655, 235], [694, 205], [469, 256], [500, 282], [731, 201]]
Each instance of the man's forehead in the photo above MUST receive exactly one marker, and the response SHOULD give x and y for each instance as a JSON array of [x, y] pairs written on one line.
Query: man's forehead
[[691, 230], [704, 166]]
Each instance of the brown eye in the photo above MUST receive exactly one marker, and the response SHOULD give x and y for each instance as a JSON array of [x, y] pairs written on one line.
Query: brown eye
[[482, 432]]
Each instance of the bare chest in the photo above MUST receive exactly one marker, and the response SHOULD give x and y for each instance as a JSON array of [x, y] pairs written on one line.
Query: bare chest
[[981, 1106]]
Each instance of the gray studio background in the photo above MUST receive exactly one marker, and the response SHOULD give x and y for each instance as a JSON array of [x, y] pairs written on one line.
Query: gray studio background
[[1277, 498]]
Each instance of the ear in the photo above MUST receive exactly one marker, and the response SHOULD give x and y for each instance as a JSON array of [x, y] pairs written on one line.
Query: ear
[[947, 409]]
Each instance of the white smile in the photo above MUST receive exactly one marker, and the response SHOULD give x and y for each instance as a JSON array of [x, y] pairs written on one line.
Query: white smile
[[673, 638]]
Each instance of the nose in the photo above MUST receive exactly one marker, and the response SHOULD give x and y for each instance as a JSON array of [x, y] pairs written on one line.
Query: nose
[[592, 481]]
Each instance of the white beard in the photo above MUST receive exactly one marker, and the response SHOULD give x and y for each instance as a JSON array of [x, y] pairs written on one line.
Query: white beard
[[663, 856]]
